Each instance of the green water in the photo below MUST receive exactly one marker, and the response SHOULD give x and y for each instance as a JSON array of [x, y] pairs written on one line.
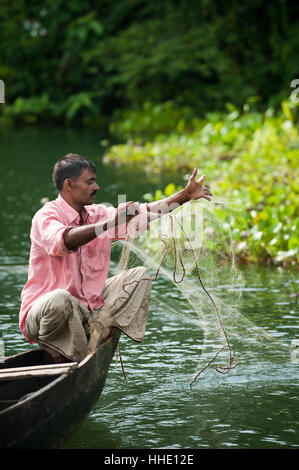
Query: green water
[[255, 406]]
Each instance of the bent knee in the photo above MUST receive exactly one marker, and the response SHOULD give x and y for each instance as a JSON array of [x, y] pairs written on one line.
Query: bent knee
[[59, 299], [63, 293]]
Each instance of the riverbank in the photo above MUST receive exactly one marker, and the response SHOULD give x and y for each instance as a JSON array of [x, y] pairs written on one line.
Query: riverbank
[[251, 163]]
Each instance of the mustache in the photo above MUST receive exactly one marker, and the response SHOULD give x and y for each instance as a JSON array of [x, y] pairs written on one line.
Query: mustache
[[93, 193]]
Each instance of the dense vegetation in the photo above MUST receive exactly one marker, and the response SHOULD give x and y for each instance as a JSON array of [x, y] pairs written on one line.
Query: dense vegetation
[[251, 160], [81, 62], [178, 83]]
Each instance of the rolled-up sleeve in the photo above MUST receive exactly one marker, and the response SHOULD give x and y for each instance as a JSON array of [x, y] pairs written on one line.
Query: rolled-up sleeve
[[48, 231]]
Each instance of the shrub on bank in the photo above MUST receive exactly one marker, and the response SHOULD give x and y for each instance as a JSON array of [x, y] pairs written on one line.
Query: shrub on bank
[[251, 162]]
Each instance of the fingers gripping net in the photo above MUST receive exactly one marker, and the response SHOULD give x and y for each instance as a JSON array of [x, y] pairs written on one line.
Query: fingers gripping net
[[192, 247]]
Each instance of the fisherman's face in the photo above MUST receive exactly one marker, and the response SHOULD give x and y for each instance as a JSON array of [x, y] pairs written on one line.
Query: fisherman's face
[[84, 188]]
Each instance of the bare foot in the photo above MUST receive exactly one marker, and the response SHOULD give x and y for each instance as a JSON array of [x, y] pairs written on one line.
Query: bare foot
[[57, 357]]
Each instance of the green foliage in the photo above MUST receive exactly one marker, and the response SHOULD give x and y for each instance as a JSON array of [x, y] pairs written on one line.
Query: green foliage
[[251, 163], [102, 57], [170, 189], [29, 110], [153, 70], [149, 120]]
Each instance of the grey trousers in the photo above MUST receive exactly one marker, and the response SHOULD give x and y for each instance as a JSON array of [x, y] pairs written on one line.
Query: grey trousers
[[59, 320]]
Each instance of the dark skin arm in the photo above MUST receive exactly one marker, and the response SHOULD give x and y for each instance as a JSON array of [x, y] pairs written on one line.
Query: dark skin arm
[[78, 236], [194, 190]]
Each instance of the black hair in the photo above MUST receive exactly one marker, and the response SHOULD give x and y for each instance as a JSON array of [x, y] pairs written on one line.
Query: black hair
[[70, 166]]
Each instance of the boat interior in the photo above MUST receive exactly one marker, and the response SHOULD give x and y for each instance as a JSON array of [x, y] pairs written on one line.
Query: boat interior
[[14, 389]]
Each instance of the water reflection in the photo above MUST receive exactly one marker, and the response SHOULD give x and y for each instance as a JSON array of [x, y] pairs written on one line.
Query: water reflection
[[253, 406]]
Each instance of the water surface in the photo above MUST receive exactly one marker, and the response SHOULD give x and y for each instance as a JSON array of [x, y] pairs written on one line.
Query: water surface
[[254, 406]]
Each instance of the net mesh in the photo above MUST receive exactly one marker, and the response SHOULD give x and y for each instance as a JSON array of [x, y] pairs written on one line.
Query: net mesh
[[192, 248]]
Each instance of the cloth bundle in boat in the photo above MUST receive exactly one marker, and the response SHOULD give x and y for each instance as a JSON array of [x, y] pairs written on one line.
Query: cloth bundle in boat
[[59, 320], [126, 299]]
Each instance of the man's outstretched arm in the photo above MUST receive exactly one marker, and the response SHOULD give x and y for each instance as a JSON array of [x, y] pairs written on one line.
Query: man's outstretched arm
[[78, 236]]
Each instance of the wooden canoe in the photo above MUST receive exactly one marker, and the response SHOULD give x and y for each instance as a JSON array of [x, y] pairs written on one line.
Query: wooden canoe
[[41, 403]]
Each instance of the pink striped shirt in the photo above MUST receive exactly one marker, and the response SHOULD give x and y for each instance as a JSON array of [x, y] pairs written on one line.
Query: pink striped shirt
[[82, 272]]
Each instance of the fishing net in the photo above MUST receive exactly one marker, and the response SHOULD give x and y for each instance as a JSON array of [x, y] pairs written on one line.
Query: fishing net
[[191, 248]]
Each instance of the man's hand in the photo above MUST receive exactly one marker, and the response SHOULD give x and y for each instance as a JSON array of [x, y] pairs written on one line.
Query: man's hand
[[195, 189], [78, 236], [125, 212]]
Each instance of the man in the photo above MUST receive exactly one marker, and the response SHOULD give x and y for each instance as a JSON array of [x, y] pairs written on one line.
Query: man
[[68, 304]]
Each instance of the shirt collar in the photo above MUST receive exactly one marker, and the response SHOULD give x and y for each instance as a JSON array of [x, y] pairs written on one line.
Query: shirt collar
[[69, 212]]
